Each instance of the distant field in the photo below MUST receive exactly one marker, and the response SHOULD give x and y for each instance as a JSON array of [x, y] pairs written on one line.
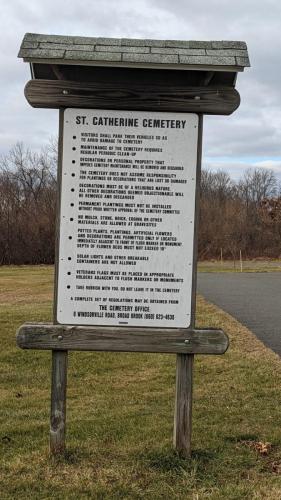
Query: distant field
[[248, 266], [120, 415]]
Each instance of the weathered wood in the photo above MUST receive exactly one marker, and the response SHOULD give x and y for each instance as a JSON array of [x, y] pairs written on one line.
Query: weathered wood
[[112, 95], [101, 338], [58, 402], [183, 404], [58, 211], [59, 358], [184, 366], [196, 222]]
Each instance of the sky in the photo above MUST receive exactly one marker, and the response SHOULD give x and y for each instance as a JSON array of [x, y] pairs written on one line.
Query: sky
[[249, 138]]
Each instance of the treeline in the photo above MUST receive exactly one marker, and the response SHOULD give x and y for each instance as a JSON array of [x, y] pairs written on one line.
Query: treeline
[[234, 216], [240, 216], [28, 205]]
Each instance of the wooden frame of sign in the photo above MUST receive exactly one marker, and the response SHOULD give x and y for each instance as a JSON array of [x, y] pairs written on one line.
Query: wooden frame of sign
[[185, 342], [183, 77]]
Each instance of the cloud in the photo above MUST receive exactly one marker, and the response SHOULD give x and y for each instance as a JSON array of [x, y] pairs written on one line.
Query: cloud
[[274, 165], [237, 168], [253, 131]]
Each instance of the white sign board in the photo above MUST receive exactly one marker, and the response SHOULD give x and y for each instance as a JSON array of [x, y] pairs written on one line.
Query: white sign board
[[127, 218]]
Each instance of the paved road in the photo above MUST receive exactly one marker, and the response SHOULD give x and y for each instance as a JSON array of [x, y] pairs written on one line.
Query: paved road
[[252, 298]]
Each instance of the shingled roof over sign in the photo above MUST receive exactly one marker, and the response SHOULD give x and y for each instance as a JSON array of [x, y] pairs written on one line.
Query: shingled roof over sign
[[127, 52]]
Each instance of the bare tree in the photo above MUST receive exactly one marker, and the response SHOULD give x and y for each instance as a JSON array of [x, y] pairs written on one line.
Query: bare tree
[[230, 215], [27, 207], [256, 184]]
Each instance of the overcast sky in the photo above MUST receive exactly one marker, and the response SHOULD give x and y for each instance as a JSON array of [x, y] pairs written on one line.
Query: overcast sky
[[251, 137]]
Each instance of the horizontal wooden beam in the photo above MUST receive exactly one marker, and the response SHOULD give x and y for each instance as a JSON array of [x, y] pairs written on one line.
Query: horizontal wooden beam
[[117, 95], [82, 338]]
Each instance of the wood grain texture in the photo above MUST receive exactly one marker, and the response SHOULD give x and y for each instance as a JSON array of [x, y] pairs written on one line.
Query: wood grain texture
[[58, 402], [59, 358], [112, 95], [58, 211], [82, 338], [184, 366], [183, 404]]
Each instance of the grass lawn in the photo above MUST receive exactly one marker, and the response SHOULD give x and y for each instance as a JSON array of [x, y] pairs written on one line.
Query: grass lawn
[[120, 414], [248, 266]]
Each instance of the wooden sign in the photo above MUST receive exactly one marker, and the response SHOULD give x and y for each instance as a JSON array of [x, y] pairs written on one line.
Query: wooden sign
[[130, 152], [127, 214]]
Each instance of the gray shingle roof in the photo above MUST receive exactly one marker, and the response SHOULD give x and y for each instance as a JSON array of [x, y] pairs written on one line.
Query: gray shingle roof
[[224, 55]]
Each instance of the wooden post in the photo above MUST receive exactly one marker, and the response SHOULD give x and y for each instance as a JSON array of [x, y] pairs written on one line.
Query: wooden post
[[59, 358], [184, 367], [183, 404], [241, 262], [58, 402]]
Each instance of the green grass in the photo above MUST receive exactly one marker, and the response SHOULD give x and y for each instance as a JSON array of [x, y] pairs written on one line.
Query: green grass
[[248, 266], [120, 415]]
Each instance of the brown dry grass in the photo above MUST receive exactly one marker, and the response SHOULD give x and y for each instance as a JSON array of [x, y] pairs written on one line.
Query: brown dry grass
[[120, 416]]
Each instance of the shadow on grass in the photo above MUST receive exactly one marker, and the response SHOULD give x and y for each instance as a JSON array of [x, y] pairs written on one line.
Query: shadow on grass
[[168, 460], [72, 456], [240, 438]]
